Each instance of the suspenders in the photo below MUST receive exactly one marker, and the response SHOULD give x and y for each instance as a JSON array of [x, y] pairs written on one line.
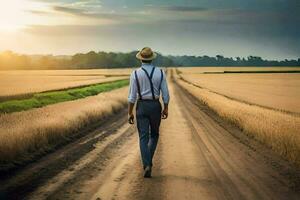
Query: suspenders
[[161, 79], [138, 85], [150, 80]]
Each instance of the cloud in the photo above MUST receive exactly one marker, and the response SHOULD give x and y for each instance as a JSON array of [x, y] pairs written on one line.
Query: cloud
[[182, 8], [38, 12], [238, 27], [85, 13], [200, 38], [62, 30], [174, 12], [180, 14], [69, 10]]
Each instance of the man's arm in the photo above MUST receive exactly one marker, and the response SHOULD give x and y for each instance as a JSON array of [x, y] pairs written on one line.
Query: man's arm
[[131, 98], [165, 96]]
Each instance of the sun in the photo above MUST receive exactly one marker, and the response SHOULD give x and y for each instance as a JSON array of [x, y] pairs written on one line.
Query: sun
[[13, 14]]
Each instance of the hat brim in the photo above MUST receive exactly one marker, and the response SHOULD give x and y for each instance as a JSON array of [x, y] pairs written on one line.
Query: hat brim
[[140, 57]]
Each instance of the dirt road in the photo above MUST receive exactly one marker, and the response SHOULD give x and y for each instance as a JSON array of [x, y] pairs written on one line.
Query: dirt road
[[199, 156]]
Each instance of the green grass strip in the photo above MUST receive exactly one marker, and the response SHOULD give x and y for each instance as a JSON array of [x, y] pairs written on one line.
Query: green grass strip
[[46, 98]]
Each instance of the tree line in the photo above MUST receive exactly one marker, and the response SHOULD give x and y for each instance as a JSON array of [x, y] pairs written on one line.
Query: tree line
[[92, 59]]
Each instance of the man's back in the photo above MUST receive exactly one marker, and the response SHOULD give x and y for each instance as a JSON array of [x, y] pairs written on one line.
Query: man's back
[[158, 79]]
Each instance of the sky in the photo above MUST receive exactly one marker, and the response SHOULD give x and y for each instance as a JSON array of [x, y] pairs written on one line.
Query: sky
[[266, 28]]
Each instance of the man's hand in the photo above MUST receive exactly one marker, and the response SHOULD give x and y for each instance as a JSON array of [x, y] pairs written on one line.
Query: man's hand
[[164, 114], [130, 114], [130, 118]]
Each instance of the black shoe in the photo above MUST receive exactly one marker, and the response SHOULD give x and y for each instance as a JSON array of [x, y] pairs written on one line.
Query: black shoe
[[147, 172]]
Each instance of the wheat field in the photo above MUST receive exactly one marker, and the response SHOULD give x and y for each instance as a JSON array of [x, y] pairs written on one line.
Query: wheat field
[[22, 82], [20, 138], [198, 70], [278, 130], [277, 91], [70, 72]]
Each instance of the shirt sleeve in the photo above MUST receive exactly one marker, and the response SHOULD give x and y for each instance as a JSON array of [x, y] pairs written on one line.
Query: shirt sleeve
[[132, 96], [165, 90]]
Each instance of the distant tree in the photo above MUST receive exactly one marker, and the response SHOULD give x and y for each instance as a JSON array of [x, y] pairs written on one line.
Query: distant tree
[[92, 59]]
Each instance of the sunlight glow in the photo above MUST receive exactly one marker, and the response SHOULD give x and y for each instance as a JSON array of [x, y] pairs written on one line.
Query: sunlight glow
[[16, 14], [12, 14]]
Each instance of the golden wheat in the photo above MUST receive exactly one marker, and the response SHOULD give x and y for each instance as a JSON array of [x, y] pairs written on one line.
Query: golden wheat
[[30, 131], [18, 83], [197, 70], [76, 72], [280, 131], [277, 91]]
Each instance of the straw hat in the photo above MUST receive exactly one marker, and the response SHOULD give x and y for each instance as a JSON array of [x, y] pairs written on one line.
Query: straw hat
[[146, 54]]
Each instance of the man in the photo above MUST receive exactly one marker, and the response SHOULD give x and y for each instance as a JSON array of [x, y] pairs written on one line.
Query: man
[[145, 86]]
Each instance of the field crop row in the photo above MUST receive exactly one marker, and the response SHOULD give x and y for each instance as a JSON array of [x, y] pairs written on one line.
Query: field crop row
[[19, 84], [278, 130], [46, 98], [69, 72], [200, 70], [278, 91], [28, 133]]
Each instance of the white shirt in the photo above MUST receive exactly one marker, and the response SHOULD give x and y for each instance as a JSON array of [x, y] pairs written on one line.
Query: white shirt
[[145, 86]]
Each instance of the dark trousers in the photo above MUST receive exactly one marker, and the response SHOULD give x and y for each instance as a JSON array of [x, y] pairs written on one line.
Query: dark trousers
[[148, 116]]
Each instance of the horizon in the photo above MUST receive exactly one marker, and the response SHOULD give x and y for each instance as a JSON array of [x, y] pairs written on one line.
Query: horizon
[[166, 55], [235, 28]]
